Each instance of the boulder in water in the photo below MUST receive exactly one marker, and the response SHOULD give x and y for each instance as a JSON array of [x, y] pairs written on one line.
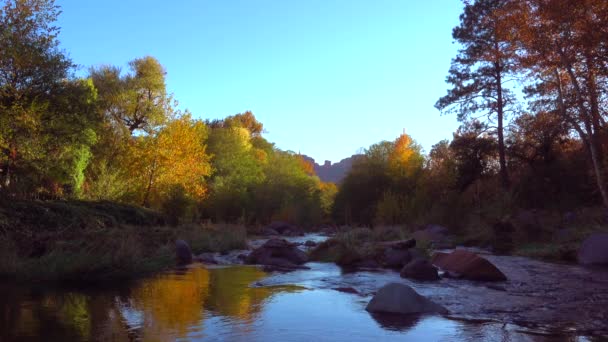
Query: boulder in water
[[468, 265], [420, 269], [278, 252], [397, 298]]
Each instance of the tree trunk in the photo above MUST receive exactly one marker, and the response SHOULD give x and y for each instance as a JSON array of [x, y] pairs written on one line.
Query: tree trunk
[[146, 201], [504, 174]]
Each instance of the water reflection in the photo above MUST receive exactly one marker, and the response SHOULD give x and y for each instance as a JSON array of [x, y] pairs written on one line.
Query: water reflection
[[202, 304]]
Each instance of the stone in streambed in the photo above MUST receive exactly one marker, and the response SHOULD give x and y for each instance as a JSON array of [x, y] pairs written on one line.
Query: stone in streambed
[[420, 269], [468, 265], [399, 298], [279, 253]]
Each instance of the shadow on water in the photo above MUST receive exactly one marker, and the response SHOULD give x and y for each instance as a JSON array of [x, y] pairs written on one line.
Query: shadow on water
[[396, 322]]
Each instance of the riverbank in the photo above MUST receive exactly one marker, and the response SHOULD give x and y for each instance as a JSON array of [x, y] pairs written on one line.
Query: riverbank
[[77, 241]]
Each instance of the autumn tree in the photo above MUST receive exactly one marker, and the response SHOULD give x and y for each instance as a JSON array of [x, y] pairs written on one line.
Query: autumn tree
[[175, 156], [32, 68], [563, 48], [481, 69]]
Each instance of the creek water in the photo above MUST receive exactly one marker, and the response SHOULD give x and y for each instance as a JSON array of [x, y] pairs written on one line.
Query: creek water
[[540, 302]]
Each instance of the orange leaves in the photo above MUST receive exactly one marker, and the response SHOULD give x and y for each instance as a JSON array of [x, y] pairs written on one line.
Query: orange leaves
[[405, 156], [306, 166]]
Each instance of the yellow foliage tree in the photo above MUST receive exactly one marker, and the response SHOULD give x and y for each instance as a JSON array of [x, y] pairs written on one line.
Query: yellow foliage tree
[[175, 156], [405, 157]]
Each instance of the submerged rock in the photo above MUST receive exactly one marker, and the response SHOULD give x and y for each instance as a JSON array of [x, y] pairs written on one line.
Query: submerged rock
[[346, 290], [399, 298], [183, 253], [594, 250], [468, 265], [420, 269]]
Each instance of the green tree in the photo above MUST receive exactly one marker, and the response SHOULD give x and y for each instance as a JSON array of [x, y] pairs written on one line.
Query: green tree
[[32, 67], [137, 101]]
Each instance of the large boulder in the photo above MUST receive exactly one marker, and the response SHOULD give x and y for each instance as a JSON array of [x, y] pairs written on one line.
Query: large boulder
[[420, 269], [594, 250], [399, 298], [468, 265], [183, 253], [278, 252]]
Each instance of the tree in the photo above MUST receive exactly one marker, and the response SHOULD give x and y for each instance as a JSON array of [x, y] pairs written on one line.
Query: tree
[[563, 45], [237, 169], [176, 156], [137, 101], [481, 69], [32, 67]]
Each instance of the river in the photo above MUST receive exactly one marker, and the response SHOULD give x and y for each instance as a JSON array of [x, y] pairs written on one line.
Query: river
[[540, 302]]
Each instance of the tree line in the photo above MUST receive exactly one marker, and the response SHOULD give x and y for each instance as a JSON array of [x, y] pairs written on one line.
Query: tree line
[[529, 85], [117, 135]]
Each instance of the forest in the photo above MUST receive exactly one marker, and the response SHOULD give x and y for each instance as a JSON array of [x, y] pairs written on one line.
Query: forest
[[529, 86]]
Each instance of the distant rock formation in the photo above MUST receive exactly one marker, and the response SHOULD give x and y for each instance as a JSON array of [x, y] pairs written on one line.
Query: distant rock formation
[[329, 172]]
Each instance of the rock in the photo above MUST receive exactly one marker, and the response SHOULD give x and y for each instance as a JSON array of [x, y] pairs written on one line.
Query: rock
[[277, 252], [280, 227], [594, 250], [346, 290], [468, 265], [401, 299], [420, 269], [206, 258], [396, 258], [268, 232], [183, 253], [310, 243]]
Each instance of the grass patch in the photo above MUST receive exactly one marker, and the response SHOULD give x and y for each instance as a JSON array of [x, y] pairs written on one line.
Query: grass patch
[[95, 241]]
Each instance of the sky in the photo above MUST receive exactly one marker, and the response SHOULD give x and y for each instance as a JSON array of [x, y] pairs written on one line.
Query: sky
[[327, 78]]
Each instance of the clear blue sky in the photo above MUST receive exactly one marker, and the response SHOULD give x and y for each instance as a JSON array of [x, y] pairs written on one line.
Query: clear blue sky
[[325, 77]]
